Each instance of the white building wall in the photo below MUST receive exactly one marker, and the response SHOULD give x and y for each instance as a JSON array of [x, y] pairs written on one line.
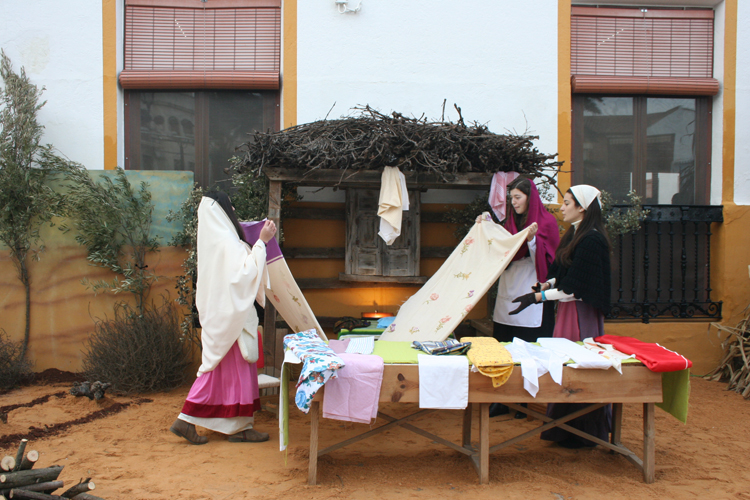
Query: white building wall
[[497, 60], [59, 44], [742, 117]]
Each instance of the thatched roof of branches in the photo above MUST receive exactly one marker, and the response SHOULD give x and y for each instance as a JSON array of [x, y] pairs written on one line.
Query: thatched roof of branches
[[371, 140]]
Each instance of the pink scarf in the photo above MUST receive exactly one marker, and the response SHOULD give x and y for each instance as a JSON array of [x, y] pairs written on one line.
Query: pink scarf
[[547, 237]]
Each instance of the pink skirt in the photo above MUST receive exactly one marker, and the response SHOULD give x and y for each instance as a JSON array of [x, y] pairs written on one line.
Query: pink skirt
[[577, 320], [230, 390]]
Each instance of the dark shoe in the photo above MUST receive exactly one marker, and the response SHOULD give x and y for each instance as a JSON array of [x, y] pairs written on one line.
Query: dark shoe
[[249, 436], [187, 431], [497, 409]]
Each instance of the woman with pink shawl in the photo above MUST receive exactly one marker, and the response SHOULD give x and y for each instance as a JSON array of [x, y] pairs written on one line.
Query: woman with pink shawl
[[528, 268]]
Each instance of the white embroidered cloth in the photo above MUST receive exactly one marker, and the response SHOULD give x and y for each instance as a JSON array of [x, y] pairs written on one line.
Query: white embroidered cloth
[[450, 294], [568, 349]]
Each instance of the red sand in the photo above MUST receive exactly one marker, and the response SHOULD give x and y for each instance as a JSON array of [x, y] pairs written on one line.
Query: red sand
[[131, 454]]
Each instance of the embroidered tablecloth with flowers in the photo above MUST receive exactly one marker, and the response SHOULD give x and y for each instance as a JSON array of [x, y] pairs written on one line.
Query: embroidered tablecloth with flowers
[[450, 294], [319, 365]]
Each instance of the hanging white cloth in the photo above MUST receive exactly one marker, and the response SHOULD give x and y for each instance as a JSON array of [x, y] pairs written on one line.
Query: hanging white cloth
[[443, 382], [230, 274], [568, 349], [393, 200], [535, 362]]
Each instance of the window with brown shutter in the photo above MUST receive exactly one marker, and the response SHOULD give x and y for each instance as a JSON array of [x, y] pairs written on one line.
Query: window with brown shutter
[[189, 44], [642, 51]]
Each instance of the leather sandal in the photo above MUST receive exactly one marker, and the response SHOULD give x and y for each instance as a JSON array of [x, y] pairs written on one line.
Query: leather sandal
[[249, 436], [185, 430]]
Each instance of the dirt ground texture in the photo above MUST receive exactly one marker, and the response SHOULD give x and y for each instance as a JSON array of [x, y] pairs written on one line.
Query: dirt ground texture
[[129, 452]]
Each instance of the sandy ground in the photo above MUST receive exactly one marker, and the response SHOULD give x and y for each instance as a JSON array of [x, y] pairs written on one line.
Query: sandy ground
[[131, 454]]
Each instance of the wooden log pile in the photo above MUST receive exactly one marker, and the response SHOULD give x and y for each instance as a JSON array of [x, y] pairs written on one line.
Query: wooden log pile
[[735, 365], [18, 479], [371, 140]]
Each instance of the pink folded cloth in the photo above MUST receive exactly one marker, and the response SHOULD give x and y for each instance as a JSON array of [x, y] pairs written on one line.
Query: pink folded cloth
[[338, 346], [353, 396], [498, 191]]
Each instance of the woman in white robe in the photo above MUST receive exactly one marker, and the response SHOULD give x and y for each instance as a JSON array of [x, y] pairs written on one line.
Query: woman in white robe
[[231, 277]]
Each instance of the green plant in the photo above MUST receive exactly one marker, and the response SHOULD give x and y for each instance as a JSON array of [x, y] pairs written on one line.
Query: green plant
[[138, 351], [113, 221], [622, 220], [27, 167], [14, 367]]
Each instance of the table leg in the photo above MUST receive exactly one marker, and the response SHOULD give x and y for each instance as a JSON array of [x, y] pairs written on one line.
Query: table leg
[[616, 423], [312, 472], [649, 443], [466, 435], [484, 443]]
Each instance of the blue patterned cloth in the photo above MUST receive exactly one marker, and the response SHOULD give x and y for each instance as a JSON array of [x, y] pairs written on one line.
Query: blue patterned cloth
[[442, 347], [319, 365]]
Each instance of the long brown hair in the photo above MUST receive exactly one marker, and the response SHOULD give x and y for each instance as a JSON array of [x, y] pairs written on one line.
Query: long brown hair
[[592, 220], [523, 185]]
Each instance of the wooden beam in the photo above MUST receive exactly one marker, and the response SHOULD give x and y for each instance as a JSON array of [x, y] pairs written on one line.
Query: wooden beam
[[312, 470], [415, 280], [649, 443], [313, 253], [269, 316], [314, 213], [371, 178]]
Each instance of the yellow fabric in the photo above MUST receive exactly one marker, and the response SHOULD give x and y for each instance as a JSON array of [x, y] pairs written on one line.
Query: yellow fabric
[[491, 359]]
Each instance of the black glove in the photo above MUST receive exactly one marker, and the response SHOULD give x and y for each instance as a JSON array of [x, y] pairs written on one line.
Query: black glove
[[524, 301], [537, 287]]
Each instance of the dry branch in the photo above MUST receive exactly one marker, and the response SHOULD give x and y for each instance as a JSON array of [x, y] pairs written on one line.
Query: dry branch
[[32, 495], [8, 463], [372, 140], [83, 487], [26, 477], [735, 365], [19, 453], [29, 460]]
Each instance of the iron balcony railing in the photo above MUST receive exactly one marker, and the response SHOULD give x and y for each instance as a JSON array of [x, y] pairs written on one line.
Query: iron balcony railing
[[664, 270]]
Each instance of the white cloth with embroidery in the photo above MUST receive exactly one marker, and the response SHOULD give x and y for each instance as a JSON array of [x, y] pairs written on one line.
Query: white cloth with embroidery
[[450, 294], [583, 357], [288, 300], [607, 351]]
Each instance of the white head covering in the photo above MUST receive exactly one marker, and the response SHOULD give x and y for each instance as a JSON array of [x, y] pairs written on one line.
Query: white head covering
[[229, 281], [585, 194]]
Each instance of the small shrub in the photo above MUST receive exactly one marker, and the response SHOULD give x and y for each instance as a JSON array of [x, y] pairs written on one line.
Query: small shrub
[[139, 353], [14, 367]]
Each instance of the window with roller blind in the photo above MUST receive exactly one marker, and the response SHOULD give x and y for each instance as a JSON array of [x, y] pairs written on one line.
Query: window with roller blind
[[642, 82], [199, 79]]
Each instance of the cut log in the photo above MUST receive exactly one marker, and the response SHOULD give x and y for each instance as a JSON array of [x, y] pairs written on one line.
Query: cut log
[[32, 495], [25, 477], [86, 496], [82, 487], [19, 453], [47, 487], [8, 463], [29, 460]]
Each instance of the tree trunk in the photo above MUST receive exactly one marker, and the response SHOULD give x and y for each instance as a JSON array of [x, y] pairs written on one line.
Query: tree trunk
[[32, 495], [25, 477], [8, 463], [19, 453], [86, 496], [82, 487], [24, 271], [47, 487], [29, 460]]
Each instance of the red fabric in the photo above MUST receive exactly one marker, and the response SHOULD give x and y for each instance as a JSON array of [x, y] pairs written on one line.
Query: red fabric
[[654, 356], [547, 236], [220, 411]]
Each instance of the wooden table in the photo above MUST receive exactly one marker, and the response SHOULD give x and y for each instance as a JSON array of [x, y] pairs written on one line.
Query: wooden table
[[637, 384]]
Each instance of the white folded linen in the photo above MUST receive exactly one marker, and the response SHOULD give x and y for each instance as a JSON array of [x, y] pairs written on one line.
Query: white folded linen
[[582, 357], [443, 382]]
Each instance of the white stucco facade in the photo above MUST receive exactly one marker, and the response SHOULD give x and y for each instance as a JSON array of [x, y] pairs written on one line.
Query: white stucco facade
[[742, 116], [493, 59], [60, 47]]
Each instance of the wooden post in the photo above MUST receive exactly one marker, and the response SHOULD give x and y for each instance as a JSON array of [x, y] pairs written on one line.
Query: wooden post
[[484, 443], [466, 434], [269, 322], [649, 443], [616, 423], [312, 472]]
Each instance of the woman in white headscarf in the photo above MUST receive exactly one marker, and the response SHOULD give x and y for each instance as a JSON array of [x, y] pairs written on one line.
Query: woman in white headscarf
[[231, 277], [580, 282]]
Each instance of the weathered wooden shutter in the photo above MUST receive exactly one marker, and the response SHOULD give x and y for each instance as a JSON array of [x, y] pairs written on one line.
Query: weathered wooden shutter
[[366, 252]]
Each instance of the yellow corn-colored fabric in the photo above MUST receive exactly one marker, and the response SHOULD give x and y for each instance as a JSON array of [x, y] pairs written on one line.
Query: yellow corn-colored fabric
[[491, 359]]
